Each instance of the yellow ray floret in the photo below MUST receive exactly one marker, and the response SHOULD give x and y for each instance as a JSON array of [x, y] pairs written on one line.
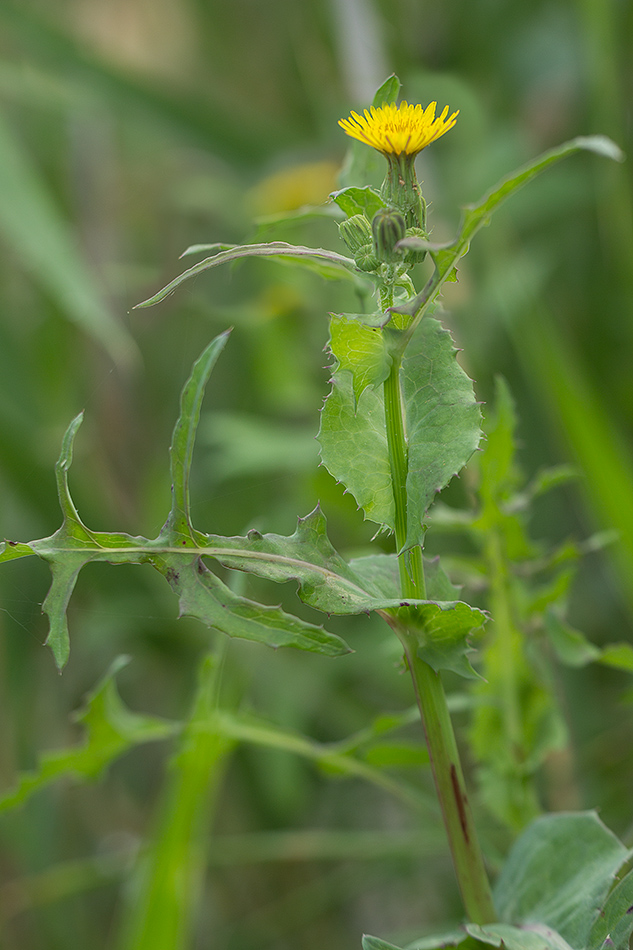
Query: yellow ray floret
[[396, 129]]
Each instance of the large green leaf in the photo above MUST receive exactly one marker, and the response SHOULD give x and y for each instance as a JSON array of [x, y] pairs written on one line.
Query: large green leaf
[[353, 440], [442, 420], [559, 873], [441, 415]]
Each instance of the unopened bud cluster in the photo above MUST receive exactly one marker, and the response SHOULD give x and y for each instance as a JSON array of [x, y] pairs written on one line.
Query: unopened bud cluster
[[375, 244]]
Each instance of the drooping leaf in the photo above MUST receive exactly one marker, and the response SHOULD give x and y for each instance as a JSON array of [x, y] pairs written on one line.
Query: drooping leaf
[[337, 265], [559, 873], [203, 595], [111, 729]]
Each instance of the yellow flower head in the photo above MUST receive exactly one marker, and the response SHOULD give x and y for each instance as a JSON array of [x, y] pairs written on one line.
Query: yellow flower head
[[396, 129]]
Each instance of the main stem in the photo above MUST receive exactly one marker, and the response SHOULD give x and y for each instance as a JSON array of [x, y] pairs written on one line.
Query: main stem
[[447, 771]]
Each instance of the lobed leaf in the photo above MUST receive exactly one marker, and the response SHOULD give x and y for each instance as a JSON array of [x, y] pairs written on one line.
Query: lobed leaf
[[176, 553], [204, 596], [325, 580]]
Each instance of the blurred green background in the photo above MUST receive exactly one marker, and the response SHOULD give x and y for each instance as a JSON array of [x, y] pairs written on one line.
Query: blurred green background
[[131, 129]]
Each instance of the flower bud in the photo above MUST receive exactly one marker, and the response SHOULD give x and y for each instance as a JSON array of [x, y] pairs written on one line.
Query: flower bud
[[412, 256], [356, 232], [388, 228], [366, 259]]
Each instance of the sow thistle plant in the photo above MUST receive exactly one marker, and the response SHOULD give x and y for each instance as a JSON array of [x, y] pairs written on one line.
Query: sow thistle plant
[[401, 420]]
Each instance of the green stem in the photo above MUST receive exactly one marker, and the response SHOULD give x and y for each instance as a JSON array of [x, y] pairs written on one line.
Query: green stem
[[447, 771], [506, 638], [450, 786], [170, 875]]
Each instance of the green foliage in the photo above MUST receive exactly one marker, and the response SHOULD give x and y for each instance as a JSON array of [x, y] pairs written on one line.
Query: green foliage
[[442, 420], [359, 350], [354, 200], [582, 858], [111, 730], [169, 877], [555, 890], [96, 135], [517, 722], [326, 263], [175, 553], [478, 216]]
